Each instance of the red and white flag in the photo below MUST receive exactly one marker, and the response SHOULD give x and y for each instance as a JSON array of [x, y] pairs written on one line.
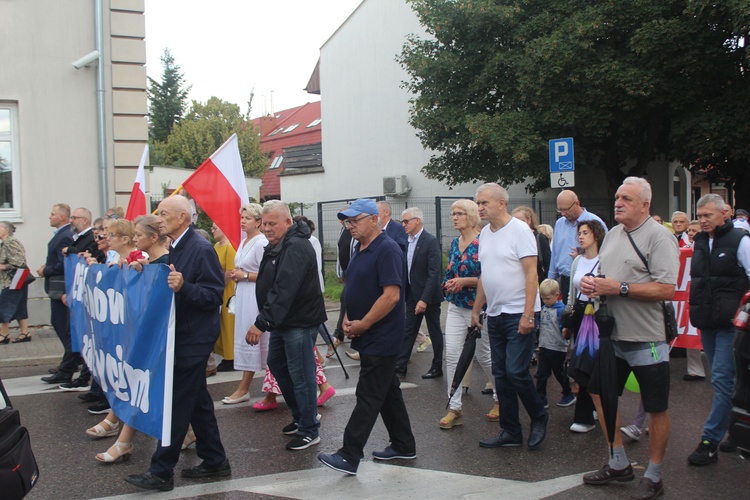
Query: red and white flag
[[137, 204], [219, 187], [19, 278]]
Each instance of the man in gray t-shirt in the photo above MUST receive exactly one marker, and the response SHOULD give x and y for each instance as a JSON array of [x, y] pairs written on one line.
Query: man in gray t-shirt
[[634, 290]]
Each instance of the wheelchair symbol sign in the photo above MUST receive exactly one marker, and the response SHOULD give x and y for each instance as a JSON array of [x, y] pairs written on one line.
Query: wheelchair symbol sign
[[562, 180]]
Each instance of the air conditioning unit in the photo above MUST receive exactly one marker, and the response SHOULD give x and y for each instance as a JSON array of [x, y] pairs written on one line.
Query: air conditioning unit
[[395, 186]]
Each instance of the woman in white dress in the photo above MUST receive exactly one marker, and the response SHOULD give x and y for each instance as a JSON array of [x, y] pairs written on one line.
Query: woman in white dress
[[247, 358]]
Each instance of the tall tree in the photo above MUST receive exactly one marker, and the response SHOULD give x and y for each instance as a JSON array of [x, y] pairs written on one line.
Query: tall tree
[[632, 82], [167, 99], [204, 128]]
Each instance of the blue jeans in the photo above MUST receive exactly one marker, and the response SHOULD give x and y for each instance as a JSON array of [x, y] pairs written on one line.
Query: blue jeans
[[511, 359], [292, 362], [717, 344]]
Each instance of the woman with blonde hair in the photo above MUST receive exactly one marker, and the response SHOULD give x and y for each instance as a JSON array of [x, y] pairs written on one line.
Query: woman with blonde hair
[[460, 284]]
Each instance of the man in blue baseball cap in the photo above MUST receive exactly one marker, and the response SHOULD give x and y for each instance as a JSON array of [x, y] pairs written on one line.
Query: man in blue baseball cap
[[375, 317]]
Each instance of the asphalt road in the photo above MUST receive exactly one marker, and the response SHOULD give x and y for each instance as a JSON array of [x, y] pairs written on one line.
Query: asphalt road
[[450, 464]]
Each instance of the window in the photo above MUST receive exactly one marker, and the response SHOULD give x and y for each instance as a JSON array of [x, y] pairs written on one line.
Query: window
[[290, 128], [313, 123], [276, 131], [276, 162], [9, 167]]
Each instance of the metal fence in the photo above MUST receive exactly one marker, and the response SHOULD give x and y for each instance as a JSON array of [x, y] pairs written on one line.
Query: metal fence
[[437, 219]]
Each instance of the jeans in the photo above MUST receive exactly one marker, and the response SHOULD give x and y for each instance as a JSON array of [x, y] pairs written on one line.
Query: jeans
[[292, 362], [511, 359], [456, 324], [717, 344]]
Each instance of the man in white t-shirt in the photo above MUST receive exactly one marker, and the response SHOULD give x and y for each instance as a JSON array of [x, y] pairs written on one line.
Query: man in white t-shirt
[[508, 286]]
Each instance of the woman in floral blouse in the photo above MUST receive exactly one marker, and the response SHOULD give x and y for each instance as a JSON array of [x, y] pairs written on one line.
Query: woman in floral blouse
[[460, 284], [12, 301]]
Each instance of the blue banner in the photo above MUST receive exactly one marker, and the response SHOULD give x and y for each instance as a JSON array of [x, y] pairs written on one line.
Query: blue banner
[[122, 323]]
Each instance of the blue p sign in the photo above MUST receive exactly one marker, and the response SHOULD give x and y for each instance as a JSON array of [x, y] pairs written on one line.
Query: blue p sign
[[561, 155]]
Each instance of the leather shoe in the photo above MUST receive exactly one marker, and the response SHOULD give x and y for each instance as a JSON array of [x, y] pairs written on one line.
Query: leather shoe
[[148, 481], [538, 431], [202, 470], [647, 489], [400, 373], [58, 378], [692, 378], [433, 373], [502, 440]]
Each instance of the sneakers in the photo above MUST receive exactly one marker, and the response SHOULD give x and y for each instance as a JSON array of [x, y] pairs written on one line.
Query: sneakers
[[337, 462], [727, 446], [424, 345], [582, 428], [77, 385], [706, 453], [502, 440], [100, 408], [607, 474], [302, 442], [545, 403], [567, 400], [390, 454], [632, 431], [291, 429]]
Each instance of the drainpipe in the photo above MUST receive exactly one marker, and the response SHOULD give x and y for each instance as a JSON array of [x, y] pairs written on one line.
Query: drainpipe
[[100, 109]]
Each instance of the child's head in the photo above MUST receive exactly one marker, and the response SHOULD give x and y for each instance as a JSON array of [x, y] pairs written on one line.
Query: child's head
[[549, 292]]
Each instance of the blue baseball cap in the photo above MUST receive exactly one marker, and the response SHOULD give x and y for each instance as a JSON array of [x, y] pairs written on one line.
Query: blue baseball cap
[[360, 206]]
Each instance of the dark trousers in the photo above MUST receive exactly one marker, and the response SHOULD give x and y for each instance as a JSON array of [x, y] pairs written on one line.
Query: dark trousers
[[339, 331], [378, 392], [191, 404], [564, 287], [551, 362], [584, 412], [60, 319], [413, 322]]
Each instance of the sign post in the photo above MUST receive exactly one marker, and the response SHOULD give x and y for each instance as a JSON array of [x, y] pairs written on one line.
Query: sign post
[[561, 163]]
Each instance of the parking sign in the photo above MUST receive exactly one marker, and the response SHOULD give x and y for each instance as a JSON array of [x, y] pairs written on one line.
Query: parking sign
[[561, 163]]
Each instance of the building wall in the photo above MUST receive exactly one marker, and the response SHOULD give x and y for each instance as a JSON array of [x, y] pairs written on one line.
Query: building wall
[[56, 112]]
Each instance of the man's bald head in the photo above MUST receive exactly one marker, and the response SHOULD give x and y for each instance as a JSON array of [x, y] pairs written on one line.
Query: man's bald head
[[568, 205], [175, 216]]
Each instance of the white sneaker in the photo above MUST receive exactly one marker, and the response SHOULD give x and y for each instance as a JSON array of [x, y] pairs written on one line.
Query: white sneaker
[[632, 431], [582, 428]]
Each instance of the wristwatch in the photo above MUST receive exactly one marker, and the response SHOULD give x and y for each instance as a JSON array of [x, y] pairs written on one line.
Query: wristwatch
[[245, 276], [624, 289]]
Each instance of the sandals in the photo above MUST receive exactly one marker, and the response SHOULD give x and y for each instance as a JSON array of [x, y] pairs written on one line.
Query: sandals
[[451, 420], [494, 414], [333, 347], [99, 431], [119, 451], [5, 339], [189, 439], [23, 337]]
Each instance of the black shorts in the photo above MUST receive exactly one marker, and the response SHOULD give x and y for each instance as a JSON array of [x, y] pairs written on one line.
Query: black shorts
[[653, 378]]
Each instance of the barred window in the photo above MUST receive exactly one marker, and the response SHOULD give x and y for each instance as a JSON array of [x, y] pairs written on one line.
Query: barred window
[[9, 162]]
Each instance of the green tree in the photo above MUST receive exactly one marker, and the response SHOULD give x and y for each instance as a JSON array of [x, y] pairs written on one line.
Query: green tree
[[204, 128], [168, 99], [632, 82]]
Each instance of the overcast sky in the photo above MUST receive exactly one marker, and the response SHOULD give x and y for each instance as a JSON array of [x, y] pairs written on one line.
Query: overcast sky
[[225, 48]]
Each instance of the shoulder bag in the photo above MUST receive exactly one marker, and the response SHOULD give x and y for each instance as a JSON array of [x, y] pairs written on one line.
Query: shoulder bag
[[670, 321], [18, 468]]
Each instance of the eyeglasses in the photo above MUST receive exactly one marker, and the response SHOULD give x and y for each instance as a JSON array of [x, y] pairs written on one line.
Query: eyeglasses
[[113, 235], [561, 210], [113, 216], [407, 221], [354, 222], [98, 228], [458, 214], [76, 217]]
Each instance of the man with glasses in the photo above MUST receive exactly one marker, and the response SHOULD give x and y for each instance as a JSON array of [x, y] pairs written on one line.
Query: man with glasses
[[374, 322], [566, 238], [391, 227], [423, 291], [83, 236], [114, 213]]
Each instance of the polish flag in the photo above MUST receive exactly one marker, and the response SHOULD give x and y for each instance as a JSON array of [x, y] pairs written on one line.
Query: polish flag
[[19, 278], [218, 186], [137, 204]]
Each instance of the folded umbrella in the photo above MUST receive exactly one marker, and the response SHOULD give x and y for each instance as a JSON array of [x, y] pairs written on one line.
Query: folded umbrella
[[464, 360], [605, 370]]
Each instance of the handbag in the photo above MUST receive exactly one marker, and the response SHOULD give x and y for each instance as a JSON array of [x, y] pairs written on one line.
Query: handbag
[[566, 319], [231, 304], [19, 471], [56, 287], [667, 308]]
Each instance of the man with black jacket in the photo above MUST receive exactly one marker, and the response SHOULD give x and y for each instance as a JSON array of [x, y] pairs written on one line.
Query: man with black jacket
[[291, 307], [197, 280], [83, 235], [720, 276]]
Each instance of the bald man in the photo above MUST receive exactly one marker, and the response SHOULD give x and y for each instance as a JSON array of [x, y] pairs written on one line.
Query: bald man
[[566, 238], [197, 280]]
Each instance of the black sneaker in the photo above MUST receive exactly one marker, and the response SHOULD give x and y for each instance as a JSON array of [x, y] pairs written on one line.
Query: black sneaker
[[727, 446], [100, 408], [302, 442], [290, 429], [77, 385], [89, 397], [706, 453]]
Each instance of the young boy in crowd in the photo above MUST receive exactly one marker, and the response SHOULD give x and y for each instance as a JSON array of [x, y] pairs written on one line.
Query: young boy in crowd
[[552, 346]]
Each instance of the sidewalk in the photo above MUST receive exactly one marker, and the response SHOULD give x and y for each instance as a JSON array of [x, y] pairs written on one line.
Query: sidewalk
[[45, 347]]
